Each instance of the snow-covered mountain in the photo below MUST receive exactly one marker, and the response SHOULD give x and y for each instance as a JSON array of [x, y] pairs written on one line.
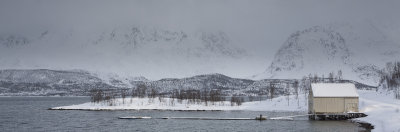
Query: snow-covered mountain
[[318, 45], [130, 38], [360, 52], [49, 82], [175, 39], [202, 82], [47, 76], [151, 39], [133, 50], [13, 40], [79, 82]]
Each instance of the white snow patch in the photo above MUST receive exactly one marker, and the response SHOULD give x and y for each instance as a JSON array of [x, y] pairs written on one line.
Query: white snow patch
[[382, 109]]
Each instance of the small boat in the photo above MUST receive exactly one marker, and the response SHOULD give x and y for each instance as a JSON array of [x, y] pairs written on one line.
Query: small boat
[[135, 117], [261, 118]]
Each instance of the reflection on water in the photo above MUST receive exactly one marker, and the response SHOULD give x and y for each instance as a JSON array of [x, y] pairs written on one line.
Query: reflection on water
[[31, 114]]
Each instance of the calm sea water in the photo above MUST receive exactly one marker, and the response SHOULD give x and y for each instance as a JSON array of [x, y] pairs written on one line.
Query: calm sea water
[[31, 114]]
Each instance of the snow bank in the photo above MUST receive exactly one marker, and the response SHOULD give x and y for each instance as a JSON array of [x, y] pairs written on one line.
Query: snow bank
[[276, 104], [382, 109]]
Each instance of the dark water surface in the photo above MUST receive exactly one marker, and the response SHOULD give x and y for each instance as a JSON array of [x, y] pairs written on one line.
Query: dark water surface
[[31, 114]]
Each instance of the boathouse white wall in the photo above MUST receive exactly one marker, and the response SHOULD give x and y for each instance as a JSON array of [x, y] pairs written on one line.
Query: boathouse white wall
[[332, 98]]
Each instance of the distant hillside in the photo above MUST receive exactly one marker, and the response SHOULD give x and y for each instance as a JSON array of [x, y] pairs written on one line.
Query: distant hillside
[[48, 82], [54, 82]]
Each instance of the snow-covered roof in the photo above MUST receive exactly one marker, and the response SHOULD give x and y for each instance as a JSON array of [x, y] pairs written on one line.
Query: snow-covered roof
[[334, 90]]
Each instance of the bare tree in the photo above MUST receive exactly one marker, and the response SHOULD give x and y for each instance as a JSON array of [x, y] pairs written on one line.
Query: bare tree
[[205, 95], [96, 95], [161, 97], [331, 77], [260, 93], [215, 96], [392, 78], [153, 93], [287, 92], [236, 100], [296, 91], [340, 75], [123, 95], [141, 90], [315, 78], [272, 90], [251, 98], [306, 87]]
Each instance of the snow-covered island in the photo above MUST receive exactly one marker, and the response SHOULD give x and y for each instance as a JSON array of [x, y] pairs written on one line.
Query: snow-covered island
[[276, 104], [382, 109]]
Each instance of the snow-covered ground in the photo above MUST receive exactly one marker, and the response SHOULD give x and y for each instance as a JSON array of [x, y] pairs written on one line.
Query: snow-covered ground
[[382, 109], [276, 104]]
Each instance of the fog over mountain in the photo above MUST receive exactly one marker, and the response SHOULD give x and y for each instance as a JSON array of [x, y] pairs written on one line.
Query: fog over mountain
[[180, 38], [321, 50]]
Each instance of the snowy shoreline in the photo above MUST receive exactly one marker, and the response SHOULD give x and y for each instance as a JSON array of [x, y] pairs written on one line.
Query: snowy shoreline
[[41, 96], [382, 109], [129, 109], [276, 104]]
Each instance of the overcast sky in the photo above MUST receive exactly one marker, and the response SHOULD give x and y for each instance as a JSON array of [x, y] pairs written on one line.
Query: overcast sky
[[264, 23], [259, 26]]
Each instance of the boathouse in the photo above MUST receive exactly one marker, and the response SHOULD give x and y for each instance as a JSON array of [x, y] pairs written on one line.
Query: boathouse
[[332, 98]]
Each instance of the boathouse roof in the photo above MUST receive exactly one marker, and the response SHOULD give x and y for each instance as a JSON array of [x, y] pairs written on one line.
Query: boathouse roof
[[334, 90]]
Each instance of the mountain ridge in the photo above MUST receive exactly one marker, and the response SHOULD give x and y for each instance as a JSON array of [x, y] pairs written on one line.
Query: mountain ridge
[[45, 82], [321, 50]]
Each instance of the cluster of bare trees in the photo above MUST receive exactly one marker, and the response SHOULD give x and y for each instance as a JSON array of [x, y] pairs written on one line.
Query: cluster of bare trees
[[269, 90], [276, 88], [141, 91], [99, 95], [295, 87], [213, 96], [236, 100], [96, 95], [251, 97], [331, 78], [390, 78], [305, 82], [109, 95], [196, 96]]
